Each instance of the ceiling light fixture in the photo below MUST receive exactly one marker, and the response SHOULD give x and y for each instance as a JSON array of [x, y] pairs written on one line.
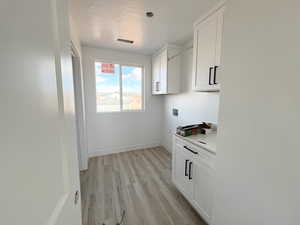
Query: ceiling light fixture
[[125, 41]]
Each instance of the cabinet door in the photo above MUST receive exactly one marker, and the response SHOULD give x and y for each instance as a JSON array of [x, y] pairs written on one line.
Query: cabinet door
[[181, 172], [163, 82], [219, 47], [155, 74], [205, 38], [203, 189]]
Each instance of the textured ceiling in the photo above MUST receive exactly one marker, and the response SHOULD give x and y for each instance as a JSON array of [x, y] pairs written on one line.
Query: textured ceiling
[[101, 22]]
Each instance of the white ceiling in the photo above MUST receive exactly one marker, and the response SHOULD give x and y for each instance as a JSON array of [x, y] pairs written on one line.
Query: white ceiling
[[101, 22]]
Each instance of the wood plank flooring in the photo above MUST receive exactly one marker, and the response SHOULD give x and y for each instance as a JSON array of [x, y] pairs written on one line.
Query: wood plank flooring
[[138, 182]]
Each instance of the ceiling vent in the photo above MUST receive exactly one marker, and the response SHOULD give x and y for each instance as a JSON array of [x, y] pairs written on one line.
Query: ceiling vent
[[125, 41], [149, 14]]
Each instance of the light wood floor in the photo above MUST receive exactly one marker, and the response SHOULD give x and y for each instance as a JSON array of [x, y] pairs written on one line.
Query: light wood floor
[[138, 182]]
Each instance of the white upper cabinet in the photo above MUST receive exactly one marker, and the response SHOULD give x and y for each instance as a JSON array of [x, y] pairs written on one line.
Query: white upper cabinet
[[166, 70], [207, 51]]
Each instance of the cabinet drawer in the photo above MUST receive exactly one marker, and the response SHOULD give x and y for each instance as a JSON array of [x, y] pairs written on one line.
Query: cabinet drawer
[[196, 152], [185, 146], [206, 157]]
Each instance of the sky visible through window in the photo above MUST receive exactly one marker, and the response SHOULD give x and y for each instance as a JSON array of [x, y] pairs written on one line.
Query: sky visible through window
[[108, 83]]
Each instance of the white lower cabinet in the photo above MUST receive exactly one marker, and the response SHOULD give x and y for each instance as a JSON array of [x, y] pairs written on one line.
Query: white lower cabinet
[[193, 175], [203, 189], [183, 165]]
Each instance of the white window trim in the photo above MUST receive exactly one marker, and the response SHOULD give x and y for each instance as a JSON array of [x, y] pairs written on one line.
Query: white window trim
[[121, 86]]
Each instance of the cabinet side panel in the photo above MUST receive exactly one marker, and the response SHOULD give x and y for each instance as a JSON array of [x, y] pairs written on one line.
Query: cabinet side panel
[[195, 50], [163, 82], [155, 74], [174, 75]]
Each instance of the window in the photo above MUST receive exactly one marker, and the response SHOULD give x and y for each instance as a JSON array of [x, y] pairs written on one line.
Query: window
[[118, 87]]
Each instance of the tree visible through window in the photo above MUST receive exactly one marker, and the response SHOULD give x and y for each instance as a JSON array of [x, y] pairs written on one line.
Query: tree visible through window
[[118, 87]]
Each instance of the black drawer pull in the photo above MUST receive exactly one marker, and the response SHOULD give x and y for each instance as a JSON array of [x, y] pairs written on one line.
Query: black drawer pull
[[185, 170], [190, 171], [190, 150], [209, 78], [215, 74]]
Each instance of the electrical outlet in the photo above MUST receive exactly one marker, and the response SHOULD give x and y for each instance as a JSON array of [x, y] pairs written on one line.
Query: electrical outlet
[[175, 112]]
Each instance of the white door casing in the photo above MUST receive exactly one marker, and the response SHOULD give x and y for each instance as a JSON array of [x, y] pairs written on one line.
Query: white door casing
[[70, 213], [79, 109]]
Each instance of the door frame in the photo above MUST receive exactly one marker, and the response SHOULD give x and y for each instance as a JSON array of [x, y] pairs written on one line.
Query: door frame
[[79, 108]]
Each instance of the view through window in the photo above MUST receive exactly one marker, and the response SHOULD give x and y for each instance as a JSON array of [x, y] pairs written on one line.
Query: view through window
[[118, 87]]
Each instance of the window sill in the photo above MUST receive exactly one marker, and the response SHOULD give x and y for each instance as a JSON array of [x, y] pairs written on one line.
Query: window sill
[[124, 111]]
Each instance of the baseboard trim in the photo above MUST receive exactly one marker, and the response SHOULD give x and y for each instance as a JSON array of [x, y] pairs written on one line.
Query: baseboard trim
[[108, 151], [166, 148]]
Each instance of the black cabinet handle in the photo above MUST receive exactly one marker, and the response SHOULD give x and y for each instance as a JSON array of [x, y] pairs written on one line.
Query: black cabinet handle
[[190, 171], [190, 150], [215, 74], [185, 170], [209, 79]]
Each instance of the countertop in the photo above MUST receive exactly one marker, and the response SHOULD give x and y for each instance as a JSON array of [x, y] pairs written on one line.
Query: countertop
[[209, 141]]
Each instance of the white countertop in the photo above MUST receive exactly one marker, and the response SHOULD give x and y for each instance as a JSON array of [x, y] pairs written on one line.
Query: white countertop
[[209, 140]]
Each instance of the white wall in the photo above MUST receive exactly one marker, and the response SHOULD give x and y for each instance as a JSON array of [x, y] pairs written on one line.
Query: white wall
[[194, 107], [114, 132], [258, 170], [74, 34]]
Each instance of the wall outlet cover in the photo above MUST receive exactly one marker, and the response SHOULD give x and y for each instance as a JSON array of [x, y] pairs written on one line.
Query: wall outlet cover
[[175, 112]]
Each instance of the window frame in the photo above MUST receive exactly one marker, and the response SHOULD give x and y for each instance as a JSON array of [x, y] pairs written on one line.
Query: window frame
[[121, 85]]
